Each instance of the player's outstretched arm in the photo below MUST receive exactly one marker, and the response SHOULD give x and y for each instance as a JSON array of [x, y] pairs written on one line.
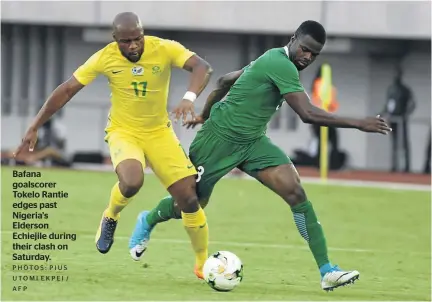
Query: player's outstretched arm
[[201, 73], [300, 103], [223, 85], [59, 97]]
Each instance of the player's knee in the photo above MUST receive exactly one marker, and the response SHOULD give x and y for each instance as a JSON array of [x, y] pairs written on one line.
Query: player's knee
[[131, 177], [188, 201], [130, 187], [184, 193], [189, 204], [295, 194]]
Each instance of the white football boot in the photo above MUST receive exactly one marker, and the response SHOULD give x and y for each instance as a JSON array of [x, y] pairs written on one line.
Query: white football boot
[[337, 277]]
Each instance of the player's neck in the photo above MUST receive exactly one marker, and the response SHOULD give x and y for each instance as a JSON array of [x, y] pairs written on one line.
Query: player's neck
[[286, 49]]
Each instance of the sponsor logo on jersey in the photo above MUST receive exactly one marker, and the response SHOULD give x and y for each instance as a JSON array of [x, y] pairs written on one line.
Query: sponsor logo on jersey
[[138, 70]]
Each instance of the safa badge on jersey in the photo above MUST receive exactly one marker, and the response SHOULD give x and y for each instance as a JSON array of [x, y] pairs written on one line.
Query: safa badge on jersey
[[137, 70]]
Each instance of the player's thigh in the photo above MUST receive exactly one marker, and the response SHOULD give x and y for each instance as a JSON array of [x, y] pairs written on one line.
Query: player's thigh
[[268, 164], [213, 158], [123, 147], [128, 161], [263, 154], [167, 157]]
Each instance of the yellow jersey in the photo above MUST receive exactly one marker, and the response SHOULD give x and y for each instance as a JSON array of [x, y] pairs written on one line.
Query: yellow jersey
[[139, 91]]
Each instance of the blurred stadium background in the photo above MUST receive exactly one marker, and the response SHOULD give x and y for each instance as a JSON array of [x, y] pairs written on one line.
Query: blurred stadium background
[[367, 42]]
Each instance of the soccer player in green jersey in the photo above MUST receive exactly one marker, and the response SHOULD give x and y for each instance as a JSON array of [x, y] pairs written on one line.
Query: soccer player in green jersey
[[233, 136]]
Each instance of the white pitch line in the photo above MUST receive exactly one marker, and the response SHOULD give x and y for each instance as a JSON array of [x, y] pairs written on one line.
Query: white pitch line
[[251, 244], [356, 183], [368, 184], [311, 180]]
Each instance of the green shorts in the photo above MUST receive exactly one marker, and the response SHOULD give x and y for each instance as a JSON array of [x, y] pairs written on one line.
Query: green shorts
[[214, 157]]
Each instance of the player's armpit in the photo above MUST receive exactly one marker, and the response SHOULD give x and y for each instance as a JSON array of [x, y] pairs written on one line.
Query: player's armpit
[[301, 104]]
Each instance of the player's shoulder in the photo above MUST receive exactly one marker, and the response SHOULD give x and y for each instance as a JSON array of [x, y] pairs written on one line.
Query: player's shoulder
[[158, 45], [280, 59], [108, 50], [156, 42], [106, 58], [153, 40], [162, 42], [280, 55], [277, 57]]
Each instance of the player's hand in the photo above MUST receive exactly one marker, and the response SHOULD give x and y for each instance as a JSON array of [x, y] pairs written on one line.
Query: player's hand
[[375, 125], [184, 108], [192, 123], [28, 142]]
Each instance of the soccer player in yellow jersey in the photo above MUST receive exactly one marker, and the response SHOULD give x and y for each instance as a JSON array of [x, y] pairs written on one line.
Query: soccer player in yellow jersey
[[138, 69]]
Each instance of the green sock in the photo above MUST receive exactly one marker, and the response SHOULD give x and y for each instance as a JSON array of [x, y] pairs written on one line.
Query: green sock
[[310, 229], [164, 211]]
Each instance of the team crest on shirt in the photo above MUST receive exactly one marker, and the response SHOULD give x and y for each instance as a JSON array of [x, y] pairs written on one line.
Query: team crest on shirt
[[138, 70], [156, 69]]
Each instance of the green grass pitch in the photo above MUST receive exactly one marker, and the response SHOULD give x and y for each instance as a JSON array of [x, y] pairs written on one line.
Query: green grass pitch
[[383, 234]]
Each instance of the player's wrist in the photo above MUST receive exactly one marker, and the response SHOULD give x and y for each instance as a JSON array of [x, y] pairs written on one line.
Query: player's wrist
[[358, 123], [190, 96], [32, 128]]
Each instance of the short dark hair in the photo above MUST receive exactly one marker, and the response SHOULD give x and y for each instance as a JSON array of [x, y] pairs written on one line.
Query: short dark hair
[[313, 29]]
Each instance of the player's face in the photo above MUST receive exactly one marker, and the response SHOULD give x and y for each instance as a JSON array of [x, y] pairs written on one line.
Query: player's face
[[304, 50], [130, 42]]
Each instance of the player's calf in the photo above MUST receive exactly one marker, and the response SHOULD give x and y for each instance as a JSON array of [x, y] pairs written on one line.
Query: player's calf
[[166, 209], [131, 178], [193, 217], [146, 221], [284, 180], [140, 237]]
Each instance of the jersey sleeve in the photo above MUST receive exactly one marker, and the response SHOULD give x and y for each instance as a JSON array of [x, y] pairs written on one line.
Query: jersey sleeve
[[87, 72], [283, 74], [178, 53]]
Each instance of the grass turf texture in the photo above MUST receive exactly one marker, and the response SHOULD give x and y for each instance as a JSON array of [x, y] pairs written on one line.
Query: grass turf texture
[[382, 233]]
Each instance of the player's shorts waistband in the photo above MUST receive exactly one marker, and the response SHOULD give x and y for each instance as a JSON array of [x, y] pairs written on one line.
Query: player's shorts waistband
[[141, 131]]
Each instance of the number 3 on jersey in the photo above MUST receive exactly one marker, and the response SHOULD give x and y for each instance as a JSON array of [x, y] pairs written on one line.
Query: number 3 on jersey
[[140, 88], [200, 170]]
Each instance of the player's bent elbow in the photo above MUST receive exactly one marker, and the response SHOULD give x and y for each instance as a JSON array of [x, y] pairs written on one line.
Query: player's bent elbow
[[221, 82], [229, 79], [307, 118], [203, 64], [224, 82], [209, 68]]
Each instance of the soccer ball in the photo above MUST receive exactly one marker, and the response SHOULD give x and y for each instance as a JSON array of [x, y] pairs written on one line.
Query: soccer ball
[[223, 271]]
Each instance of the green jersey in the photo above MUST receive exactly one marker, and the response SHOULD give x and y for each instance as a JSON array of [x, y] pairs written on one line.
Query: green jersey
[[254, 98]]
